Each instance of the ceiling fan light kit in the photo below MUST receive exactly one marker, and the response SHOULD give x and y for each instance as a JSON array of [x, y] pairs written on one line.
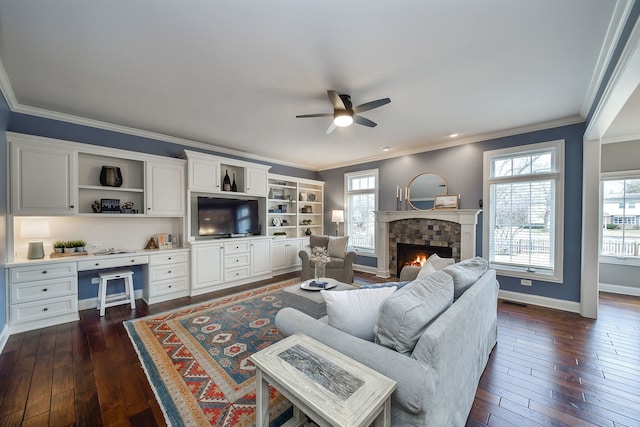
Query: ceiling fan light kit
[[344, 114]]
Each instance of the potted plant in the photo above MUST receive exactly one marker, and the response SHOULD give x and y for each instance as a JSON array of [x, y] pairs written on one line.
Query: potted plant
[[58, 246], [69, 247], [80, 245]]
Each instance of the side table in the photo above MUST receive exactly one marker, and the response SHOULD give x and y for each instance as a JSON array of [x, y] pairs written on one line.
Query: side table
[[309, 302], [329, 387]]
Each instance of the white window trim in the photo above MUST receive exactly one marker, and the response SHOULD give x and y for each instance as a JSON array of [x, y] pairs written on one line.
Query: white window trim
[[614, 259], [557, 276], [360, 251]]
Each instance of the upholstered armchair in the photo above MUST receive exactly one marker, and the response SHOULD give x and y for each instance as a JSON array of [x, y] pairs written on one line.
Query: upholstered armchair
[[342, 257]]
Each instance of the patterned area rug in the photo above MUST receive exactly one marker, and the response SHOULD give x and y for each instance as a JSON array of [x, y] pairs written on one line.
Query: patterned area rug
[[196, 357]]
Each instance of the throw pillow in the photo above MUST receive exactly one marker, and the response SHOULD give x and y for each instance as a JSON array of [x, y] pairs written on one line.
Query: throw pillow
[[320, 241], [355, 312], [426, 270], [465, 273], [338, 246], [440, 263], [406, 314]]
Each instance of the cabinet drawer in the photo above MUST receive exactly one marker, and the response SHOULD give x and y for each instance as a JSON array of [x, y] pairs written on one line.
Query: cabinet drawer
[[97, 264], [168, 286], [170, 258], [233, 261], [32, 311], [42, 272], [43, 290], [236, 274], [170, 271], [236, 247]]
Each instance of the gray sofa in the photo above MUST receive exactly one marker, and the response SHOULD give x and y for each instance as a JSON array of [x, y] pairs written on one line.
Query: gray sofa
[[437, 381]]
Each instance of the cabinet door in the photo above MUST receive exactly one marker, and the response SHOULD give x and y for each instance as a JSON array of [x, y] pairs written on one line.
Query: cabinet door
[[294, 246], [278, 255], [207, 265], [42, 180], [257, 182], [260, 257], [165, 189], [204, 175]]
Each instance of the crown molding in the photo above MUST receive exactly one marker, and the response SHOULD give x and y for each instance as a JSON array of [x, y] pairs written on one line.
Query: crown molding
[[621, 12], [571, 120]]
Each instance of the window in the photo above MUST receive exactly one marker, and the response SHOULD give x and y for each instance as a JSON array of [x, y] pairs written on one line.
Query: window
[[523, 193], [361, 193], [620, 224]]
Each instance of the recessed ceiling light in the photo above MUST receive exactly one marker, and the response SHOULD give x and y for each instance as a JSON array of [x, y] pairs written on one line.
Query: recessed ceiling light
[[453, 135], [386, 148]]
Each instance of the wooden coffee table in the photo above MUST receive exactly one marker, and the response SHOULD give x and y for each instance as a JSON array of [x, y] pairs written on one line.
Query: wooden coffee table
[[324, 384]]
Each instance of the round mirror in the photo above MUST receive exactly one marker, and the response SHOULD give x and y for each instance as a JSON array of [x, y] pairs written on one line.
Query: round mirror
[[423, 188]]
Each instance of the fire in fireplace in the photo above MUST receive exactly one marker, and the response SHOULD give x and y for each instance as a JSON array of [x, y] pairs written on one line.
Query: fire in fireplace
[[417, 255]]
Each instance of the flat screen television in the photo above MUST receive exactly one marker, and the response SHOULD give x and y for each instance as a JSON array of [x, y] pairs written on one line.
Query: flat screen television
[[219, 217]]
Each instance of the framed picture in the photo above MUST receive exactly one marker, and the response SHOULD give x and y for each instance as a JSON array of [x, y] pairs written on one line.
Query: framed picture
[[303, 197], [446, 201]]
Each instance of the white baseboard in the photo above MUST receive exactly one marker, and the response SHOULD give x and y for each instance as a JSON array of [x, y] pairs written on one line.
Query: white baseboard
[[571, 306], [619, 289], [365, 268], [4, 336], [86, 304]]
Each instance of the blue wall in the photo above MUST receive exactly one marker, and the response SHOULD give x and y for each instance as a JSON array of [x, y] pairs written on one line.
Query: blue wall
[[461, 166]]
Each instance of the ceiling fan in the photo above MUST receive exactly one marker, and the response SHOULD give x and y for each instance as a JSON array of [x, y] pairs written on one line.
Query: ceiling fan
[[344, 113]]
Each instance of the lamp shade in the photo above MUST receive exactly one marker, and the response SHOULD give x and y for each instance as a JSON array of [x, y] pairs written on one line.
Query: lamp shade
[[337, 215]]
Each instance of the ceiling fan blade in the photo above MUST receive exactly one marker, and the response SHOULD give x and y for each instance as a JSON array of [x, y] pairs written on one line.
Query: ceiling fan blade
[[336, 100], [371, 105], [365, 122], [315, 115], [331, 128]]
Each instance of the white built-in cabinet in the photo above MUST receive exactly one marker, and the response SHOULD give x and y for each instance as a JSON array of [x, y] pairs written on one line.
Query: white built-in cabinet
[[206, 173], [52, 177], [294, 206], [43, 179], [284, 255], [224, 263], [165, 188]]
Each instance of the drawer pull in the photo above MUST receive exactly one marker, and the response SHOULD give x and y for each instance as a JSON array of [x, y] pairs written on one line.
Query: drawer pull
[[45, 309], [169, 271], [169, 258], [97, 264], [45, 289], [170, 286], [133, 260], [45, 272]]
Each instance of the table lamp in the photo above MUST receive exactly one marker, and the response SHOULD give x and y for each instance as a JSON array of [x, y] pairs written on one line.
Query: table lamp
[[34, 229], [337, 216]]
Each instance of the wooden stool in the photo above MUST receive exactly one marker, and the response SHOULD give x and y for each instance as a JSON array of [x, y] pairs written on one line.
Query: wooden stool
[[128, 297]]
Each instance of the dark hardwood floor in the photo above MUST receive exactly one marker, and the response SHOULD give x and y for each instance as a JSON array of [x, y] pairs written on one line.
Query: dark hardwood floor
[[549, 368]]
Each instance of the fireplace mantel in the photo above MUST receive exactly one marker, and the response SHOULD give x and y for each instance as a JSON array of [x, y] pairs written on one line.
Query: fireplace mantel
[[467, 218]]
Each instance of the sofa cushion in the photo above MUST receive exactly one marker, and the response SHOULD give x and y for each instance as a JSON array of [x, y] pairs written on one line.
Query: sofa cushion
[[426, 270], [398, 285], [337, 246], [320, 241], [355, 312], [440, 263], [406, 314], [465, 273]]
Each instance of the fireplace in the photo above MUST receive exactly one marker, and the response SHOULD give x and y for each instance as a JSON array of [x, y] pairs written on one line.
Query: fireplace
[[417, 255], [454, 229]]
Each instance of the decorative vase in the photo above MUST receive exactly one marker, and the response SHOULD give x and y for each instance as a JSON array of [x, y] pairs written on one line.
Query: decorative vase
[[110, 176], [320, 272], [307, 232]]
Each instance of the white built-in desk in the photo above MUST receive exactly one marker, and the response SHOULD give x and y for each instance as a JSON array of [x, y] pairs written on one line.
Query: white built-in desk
[[44, 292]]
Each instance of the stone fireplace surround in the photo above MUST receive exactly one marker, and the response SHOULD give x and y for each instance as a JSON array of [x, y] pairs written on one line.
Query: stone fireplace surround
[[451, 228]]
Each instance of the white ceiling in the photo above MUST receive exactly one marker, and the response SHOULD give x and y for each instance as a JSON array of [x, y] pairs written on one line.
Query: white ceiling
[[235, 74]]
